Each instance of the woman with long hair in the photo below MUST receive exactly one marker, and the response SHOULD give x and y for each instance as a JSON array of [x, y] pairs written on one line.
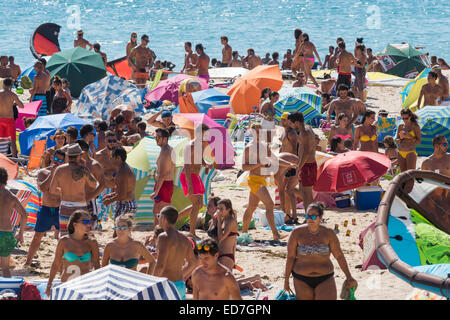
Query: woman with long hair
[[341, 130], [366, 134], [297, 63], [264, 96], [308, 260], [227, 233], [76, 253], [62, 101], [308, 50], [408, 135]]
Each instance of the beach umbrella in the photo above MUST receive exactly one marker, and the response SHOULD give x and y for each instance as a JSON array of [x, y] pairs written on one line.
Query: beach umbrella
[[98, 99], [351, 170], [168, 89], [402, 60], [298, 100], [45, 126], [30, 198], [79, 66], [433, 120], [411, 91], [206, 99], [220, 141], [29, 110], [246, 91], [10, 166], [115, 283]]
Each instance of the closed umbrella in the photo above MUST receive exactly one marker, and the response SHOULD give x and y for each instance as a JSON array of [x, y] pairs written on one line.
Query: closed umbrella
[[351, 170], [79, 66], [298, 100], [246, 91], [116, 283]]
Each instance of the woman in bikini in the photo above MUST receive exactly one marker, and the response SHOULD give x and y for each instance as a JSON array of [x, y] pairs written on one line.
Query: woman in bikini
[[124, 251], [309, 248], [62, 101], [227, 233], [341, 130], [366, 134], [297, 63], [308, 50], [408, 135], [76, 253]]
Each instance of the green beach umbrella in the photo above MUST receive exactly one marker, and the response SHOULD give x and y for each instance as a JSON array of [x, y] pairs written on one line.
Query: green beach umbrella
[[402, 60], [79, 66]]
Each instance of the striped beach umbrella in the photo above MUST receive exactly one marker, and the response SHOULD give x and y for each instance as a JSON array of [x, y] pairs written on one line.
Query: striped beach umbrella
[[116, 283], [298, 100], [433, 120]]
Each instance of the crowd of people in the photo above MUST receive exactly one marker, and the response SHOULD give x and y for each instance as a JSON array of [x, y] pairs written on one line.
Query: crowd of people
[[79, 177]]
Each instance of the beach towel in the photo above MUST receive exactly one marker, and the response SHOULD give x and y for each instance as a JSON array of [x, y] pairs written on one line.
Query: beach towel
[[43, 108]]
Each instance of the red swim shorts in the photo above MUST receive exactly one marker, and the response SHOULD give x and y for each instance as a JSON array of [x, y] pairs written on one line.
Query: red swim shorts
[[165, 193], [8, 128], [308, 174], [197, 184]]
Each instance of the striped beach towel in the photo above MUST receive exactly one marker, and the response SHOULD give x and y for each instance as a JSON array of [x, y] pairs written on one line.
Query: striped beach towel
[[43, 108]]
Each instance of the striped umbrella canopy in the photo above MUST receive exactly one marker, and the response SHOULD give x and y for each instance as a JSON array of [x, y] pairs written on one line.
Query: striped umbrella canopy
[[298, 100], [116, 283], [433, 120]]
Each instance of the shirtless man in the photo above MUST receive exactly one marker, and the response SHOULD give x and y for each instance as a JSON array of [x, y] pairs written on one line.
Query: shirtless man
[[430, 92], [15, 69], [274, 61], [173, 249], [226, 52], [212, 281], [286, 180], [87, 134], [48, 215], [190, 176], [97, 171], [166, 121], [7, 122], [140, 61], [97, 50], [104, 157], [125, 184], [261, 163], [190, 60], [41, 85], [202, 63], [69, 183], [165, 171], [343, 104], [81, 42], [370, 57], [439, 161], [307, 157], [287, 61], [5, 70], [443, 83], [326, 85], [236, 62], [252, 60], [7, 240], [345, 61], [330, 59], [301, 80]]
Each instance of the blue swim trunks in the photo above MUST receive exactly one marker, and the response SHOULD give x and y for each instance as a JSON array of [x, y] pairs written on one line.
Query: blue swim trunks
[[46, 218], [181, 287]]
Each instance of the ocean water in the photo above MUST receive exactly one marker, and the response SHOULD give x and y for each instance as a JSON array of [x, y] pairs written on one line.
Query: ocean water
[[265, 25]]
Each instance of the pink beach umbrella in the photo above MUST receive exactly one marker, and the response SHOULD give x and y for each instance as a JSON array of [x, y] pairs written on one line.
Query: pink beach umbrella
[[168, 89], [30, 110]]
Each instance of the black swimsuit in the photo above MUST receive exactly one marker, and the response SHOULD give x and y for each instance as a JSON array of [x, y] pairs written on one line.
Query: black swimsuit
[[313, 282]]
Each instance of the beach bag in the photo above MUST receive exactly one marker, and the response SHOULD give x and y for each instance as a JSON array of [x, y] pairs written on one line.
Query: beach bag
[[29, 292], [283, 295]]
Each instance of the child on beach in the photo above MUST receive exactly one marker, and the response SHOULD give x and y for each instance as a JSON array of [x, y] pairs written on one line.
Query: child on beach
[[391, 152]]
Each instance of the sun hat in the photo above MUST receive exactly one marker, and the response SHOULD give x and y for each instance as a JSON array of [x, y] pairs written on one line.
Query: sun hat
[[74, 150], [58, 132]]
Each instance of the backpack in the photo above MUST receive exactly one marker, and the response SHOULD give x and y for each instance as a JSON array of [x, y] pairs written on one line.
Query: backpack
[[29, 292]]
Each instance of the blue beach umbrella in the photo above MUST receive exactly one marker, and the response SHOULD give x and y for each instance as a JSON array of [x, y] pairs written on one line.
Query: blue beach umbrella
[[205, 99], [298, 100], [433, 120], [114, 282], [45, 126]]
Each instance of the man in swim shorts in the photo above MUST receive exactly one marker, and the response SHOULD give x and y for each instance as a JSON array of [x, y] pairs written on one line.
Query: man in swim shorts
[[202, 63], [345, 61], [48, 215], [41, 84], [173, 249], [70, 182], [7, 239], [141, 60], [7, 122], [226, 52], [165, 171], [190, 60], [307, 157], [212, 281]]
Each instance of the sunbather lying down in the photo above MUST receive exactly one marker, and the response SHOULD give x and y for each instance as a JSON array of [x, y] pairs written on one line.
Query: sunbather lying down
[[251, 283]]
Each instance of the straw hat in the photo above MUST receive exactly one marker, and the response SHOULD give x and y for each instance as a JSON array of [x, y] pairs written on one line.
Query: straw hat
[[74, 150], [58, 132]]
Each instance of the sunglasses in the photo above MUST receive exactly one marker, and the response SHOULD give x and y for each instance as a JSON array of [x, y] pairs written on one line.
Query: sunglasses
[[313, 217], [112, 141], [405, 118], [121, 228], [445, 144], [84, 221], [58, 160], [203, 248]]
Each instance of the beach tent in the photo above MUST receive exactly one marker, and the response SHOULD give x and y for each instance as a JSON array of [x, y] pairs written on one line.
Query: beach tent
[[79, 66], [433, 120], [402, 60], [411, 91], [98, 99], [412, 230], [298, 100], [45, 126], [206, 99], [142, 159], [115, 283], [44, 41]]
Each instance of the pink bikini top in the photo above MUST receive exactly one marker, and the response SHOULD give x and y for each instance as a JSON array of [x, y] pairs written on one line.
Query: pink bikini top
[[348, 136]]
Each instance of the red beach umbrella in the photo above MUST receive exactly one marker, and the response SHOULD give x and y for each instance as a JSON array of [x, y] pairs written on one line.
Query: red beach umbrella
[[351, 170]]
